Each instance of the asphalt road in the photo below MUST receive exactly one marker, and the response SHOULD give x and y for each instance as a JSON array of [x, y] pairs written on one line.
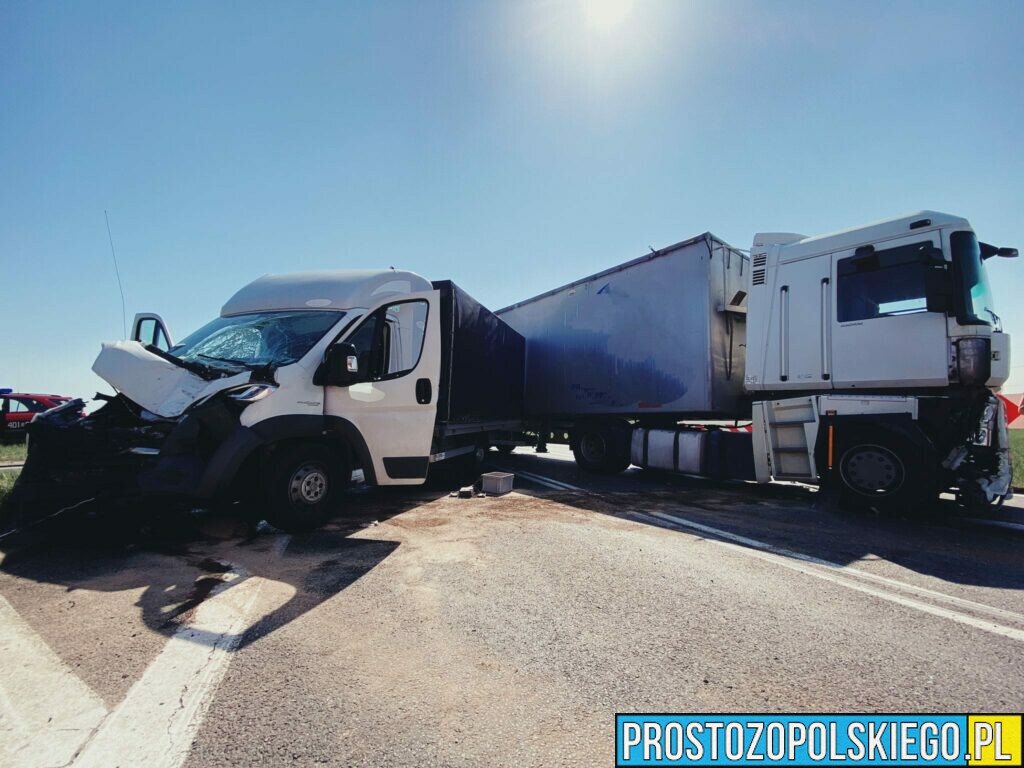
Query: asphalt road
[[420, 629]]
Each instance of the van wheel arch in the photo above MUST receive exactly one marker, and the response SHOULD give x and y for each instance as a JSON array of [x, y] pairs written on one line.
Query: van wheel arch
[[332, 430]]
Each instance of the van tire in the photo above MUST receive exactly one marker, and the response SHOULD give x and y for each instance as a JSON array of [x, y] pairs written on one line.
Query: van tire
[[602, 446], [303, 486], [882, 470]]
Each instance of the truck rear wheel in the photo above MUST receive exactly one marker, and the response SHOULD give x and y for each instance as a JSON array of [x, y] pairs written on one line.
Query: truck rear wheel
[[602, 447], [881, 470], [303, 485]]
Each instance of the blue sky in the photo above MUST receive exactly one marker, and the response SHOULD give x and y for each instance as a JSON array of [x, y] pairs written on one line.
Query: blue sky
[[510, 147]]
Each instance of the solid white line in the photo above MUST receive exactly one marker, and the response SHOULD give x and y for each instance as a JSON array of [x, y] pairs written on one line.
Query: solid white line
[[554, 483], [155, 723], [993, 523], [753, 548], [160, 717], [549, 482], [46, 711], [845, 570]]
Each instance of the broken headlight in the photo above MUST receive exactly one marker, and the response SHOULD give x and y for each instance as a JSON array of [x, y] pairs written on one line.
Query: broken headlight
[[983, 436], [250, 393], [973, 360]]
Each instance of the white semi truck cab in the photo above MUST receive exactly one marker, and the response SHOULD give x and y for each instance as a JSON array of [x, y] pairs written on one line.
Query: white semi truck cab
[[871, 358], [865, 359]]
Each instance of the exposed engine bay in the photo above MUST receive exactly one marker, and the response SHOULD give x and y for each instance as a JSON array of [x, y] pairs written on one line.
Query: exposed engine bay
[[154, 439]]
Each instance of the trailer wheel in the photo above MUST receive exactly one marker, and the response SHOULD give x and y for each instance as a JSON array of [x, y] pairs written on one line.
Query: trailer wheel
[[881, 470], [505, 450], [303, 485], [602, 447]]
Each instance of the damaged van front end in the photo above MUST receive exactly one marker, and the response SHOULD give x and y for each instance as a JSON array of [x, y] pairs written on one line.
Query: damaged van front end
[[156, 441]]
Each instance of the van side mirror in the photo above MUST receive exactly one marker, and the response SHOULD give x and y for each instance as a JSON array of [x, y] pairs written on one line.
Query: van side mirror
[[340, 367]]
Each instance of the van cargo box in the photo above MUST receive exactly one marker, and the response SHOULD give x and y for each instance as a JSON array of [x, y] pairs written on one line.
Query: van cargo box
[[662, 335], [482, 361]]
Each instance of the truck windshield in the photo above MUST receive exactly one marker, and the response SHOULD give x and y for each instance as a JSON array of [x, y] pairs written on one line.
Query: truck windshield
[[973, 296], [257, 339]]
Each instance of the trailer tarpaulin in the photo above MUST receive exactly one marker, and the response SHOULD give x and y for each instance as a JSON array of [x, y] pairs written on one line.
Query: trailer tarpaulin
[[482, 363]]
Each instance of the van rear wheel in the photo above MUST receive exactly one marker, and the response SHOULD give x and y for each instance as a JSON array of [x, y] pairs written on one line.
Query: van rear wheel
[[303, 486]]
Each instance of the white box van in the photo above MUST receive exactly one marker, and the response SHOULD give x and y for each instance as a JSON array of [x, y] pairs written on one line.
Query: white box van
[[301, 380]]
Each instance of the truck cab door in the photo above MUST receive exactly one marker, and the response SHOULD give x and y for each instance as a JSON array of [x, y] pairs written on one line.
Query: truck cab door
[[883, 334], [394, 402], [793, 309], [149, 328]]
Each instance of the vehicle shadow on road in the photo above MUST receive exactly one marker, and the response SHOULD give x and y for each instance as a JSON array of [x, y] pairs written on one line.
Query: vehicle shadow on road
[[794, 519], [178, 558]]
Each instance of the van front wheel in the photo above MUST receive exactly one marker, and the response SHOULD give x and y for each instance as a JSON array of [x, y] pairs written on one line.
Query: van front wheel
[[303, 486]]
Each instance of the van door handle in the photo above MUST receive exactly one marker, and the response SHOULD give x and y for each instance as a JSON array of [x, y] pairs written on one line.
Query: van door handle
[[423, 391]]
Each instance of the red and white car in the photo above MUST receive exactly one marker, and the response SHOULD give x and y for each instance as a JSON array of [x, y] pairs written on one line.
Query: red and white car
[[18, 408]]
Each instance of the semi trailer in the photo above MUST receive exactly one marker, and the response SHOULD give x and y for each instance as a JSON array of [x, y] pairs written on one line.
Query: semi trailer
[[301, 380], [863, 360]]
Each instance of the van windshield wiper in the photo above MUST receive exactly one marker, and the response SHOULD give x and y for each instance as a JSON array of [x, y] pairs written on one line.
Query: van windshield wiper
[[206, 371], [229, 361]]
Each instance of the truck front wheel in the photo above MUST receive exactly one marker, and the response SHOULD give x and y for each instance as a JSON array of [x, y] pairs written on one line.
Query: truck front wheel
[[602, 446], [303, 485], [886, 472]]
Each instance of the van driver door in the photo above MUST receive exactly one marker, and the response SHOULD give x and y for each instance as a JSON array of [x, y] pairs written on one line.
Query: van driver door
[[394, 403]]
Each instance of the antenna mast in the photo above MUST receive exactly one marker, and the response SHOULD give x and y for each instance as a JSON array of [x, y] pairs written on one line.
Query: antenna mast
[[120, 288]]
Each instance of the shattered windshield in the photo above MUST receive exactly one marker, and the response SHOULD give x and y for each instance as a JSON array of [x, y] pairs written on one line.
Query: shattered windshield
[[256, 339], [974, 299]]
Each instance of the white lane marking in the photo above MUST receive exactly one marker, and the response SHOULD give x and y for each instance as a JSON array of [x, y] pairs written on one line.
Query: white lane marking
[[844, 569], [46, 711], [160, 717], [993, 523], [764, 552], [558, 485]]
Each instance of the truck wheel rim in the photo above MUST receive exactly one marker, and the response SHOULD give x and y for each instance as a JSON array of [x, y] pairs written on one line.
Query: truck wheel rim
[[308, 484], [592, 447], [872, 470]]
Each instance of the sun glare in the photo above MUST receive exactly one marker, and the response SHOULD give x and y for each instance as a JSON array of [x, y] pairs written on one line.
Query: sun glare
[[606, 14]]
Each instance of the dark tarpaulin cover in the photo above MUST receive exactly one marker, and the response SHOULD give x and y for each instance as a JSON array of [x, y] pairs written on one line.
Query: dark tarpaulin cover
[[482, 362]]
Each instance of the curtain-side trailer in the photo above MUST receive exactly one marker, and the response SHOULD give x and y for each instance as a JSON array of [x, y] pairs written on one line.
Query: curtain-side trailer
[[865, 360]]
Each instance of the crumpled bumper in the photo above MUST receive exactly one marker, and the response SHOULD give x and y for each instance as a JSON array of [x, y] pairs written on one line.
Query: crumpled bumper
[[119, 453]]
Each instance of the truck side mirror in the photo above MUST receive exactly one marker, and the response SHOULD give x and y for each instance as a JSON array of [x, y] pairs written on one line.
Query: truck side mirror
[[340, 367]]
